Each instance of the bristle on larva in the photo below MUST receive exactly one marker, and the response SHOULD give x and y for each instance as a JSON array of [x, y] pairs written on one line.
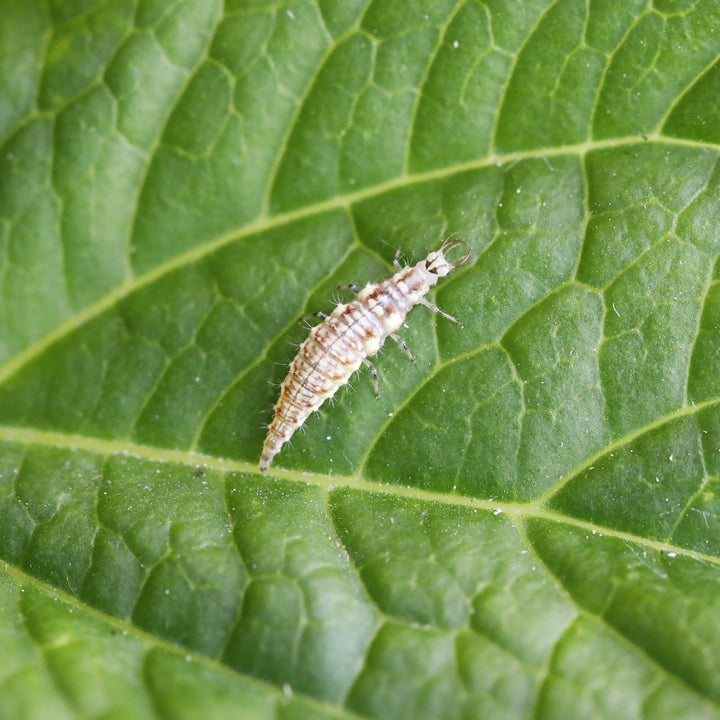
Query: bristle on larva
[[345, 339]]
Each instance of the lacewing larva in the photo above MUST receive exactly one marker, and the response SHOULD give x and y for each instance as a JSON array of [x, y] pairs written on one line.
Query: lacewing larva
[[346, 338]]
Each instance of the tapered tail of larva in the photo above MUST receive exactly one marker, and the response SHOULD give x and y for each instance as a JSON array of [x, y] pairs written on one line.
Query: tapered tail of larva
[[272, 446], [280, 430], [265, 461]]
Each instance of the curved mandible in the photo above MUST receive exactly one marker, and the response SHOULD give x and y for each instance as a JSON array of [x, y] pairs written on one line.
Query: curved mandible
[[450, 244]]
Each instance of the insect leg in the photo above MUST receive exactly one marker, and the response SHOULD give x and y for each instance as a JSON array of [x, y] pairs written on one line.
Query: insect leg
[[436, 309], [305, 318], [350, 286], [372, 369], [404, 346], [396, 262]]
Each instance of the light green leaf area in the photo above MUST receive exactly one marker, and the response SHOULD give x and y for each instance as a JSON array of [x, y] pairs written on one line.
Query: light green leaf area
[[526, 524]]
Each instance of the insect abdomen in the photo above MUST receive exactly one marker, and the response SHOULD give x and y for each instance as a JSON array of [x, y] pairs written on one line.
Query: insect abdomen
[[324, 363], [337, 347]]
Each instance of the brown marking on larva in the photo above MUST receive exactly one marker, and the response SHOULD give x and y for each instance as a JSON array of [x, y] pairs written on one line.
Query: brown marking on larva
[[338, 346], [374, 294], [336, 351], [303, 397], [325, 366], [294, 401], [386, 306], [352, 326], [290, 413], [345, 337], [350, 318], [320, 370], [367, 332]]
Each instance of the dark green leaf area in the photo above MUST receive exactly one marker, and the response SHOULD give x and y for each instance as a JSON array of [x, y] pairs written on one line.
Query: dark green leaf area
[[653, 312], [84, 40], [553, 349], [625, 685], [17, 525], [458, 433], [697, 115], [154, 367], [305, 619], [51, 525], [667, 606], [648, 197], [709, 423], [144, 84], [416, 218], [655, 285], [354, 126], [699, 527], [193, 577], [91, 668], [202, 114], [322, 129], [454, 120], [413, 673], [454, 584], [34, 279], [451, 568], [115, 578], [21, 62], [661, 54], [537, 247], [199, 187], [644, 487], [101, 375], [704, 377], [174, 570], [553, 89], [525, 225], [95, 177], [699, 223]]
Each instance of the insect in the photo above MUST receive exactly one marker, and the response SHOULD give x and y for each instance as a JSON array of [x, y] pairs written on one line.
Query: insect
[[346, 338]]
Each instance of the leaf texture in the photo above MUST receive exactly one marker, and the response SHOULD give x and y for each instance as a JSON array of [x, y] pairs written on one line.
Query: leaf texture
[[526, 524]]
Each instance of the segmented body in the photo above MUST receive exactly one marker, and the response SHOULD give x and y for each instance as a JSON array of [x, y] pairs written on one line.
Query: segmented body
[[338, 346]]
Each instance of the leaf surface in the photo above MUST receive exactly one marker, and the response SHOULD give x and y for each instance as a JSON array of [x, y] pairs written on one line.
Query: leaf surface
[[525, 524]]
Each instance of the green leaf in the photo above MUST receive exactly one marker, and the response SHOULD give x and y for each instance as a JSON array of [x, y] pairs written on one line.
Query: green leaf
[[525, 524]]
